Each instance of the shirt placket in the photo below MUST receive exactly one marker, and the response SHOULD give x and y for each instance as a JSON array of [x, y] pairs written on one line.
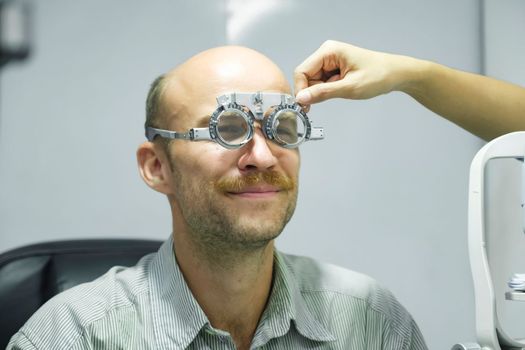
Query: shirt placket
[[216, 339]]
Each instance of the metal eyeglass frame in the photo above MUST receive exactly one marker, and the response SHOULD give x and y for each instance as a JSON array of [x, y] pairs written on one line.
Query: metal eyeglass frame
[[256, 103]]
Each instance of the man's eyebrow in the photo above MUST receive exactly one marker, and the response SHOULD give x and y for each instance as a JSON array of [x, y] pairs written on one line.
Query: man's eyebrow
[[203, 121]]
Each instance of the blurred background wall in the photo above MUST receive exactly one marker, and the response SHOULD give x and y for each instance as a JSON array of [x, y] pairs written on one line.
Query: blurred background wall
[[385, 193]]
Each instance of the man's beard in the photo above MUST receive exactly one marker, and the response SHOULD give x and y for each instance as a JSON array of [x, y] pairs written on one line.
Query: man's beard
[[217, 229]]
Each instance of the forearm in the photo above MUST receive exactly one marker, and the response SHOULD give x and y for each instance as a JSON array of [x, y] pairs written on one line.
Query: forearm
[[484, 106]]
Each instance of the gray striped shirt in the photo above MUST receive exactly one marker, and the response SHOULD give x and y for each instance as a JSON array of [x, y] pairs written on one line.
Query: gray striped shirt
[[149, 306]]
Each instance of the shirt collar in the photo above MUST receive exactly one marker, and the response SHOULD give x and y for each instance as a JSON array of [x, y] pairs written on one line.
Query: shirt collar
[[178, 318], [287, 304]]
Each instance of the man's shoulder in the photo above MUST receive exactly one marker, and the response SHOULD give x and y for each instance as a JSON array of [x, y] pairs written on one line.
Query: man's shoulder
[[62, 320], [313, 275], [352, 297]]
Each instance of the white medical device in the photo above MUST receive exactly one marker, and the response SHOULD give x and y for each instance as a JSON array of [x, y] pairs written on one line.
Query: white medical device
[[490, 335], [523, 192]]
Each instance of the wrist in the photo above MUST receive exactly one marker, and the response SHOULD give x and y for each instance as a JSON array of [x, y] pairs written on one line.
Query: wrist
[[412, 74]]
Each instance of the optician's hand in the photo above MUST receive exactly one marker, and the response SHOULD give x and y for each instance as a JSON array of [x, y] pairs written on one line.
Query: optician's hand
[[342, 70], [485, 106]]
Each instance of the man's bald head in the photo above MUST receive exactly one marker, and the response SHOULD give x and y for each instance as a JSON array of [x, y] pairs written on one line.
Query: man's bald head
[[206, 75]]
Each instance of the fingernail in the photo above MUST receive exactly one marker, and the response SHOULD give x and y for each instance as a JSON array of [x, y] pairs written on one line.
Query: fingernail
[[303, 96]]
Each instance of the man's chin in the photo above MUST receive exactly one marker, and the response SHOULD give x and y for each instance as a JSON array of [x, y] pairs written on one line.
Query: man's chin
[[260, 231]]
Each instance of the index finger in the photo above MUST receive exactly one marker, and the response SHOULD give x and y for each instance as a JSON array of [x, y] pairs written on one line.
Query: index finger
[[310, 68]]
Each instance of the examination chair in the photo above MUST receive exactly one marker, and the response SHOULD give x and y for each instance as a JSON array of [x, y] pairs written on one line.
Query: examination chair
[[31, 275]]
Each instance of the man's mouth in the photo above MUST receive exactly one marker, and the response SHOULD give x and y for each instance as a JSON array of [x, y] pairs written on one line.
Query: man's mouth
[[255, 185], [260, 191]]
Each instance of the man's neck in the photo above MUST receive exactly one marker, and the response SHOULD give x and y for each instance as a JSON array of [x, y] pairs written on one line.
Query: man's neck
[[232, 288]]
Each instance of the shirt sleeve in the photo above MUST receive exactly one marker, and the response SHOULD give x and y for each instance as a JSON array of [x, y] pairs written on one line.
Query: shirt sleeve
[[389, 325], [20, 341], [416, 341]]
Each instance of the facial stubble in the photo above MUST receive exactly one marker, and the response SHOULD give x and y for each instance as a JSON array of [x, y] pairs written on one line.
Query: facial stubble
[[217, 229]]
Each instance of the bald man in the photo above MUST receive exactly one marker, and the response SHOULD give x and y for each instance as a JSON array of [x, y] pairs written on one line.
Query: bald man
[[218, 282]]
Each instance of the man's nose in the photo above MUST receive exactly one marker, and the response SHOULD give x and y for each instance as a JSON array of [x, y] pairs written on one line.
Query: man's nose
[[257, 154]]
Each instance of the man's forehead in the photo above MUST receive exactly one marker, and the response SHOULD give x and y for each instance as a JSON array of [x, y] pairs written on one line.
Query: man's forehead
[[187, 111], [227, 69], [199, 117], [191, 88]]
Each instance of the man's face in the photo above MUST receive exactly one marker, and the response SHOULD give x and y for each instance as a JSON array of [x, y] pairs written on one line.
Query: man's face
[[243, 196], [239, 198]]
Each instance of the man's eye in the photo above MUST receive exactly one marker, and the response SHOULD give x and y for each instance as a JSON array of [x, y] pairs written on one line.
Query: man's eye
[[233, 133], [287, 134], [231, 129]]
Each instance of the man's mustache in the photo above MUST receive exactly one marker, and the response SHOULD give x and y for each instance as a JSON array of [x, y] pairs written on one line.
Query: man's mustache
[[272, 178]]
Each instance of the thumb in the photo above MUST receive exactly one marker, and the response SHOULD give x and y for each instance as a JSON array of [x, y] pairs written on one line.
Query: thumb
[[321, 92]]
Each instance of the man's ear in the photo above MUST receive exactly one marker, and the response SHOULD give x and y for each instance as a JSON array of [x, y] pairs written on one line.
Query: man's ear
[[153, 167]]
